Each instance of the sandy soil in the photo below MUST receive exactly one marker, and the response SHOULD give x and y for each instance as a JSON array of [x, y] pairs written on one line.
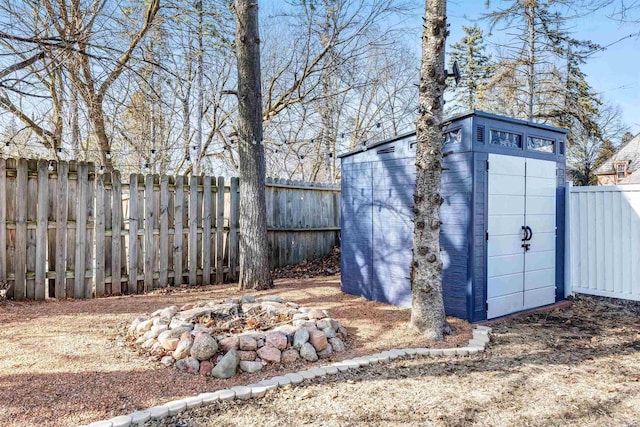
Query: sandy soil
[[61, 363], [579, 366]]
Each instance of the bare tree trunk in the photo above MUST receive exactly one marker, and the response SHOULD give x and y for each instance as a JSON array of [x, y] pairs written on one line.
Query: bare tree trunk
[[427, 311], [254, 261], [200, 109]]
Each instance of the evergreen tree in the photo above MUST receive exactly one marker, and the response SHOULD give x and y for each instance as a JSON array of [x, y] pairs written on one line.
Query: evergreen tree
[[607, 150], [475, 66]]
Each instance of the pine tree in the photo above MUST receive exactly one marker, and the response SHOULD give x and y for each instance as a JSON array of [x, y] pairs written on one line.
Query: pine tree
[[475, 66]]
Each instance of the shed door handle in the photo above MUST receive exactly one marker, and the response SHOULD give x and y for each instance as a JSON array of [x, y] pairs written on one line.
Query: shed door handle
[[530, 233]]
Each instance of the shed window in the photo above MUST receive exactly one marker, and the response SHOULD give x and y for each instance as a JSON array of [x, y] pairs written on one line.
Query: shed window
[[452, 137], [540, 144], [505, 139]]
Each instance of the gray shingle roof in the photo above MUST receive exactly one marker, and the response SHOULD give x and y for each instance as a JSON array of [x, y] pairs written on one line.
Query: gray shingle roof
[[634, 178], [630, 152]]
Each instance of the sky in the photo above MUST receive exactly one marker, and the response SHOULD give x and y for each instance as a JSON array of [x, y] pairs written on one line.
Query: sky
[[613, 73]]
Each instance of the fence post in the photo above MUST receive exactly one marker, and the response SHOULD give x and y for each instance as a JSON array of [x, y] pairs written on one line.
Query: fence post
[[100, 236], [3, 220], [568, 286], [133, 234], [41, 230], [220, 231]]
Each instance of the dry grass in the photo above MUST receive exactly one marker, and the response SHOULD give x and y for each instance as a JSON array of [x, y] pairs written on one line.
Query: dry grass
[[579, 366], [61, 363]]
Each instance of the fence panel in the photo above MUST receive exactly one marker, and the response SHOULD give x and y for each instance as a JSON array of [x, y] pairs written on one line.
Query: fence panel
[[69, 232], [605, 241]]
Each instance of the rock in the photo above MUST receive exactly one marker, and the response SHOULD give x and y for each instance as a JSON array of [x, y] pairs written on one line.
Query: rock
[[157, 330], [230, 343], [204, 348], [342, 330], [286, 329], [277, 340], [276, 308], [289, 356], [183, 350], [199, 335], [188, 316], [178, 323], [247, 343], [261, 342], [318, 340], [189, 365], [167, 361], [247, 355], [316, 314], [148, 343], [323, 323], [205, 368], [170, 344], [135, 323], [158, 321], [300, 337], [251, 367], [144, 326], [226, 309], [199, 327], [329, 332], [335, 324], [251, 308], [326, 352], [274, 298], [299, 323], [226, 367], [337, 344], [186, 307], [270, 354], [307, 352], [292, 304], [300, 316], [169, 312], [157, 349], [147, 336], [247, 299], [186, 336]]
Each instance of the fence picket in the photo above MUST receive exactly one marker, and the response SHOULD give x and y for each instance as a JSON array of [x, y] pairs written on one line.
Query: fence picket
[[164, 231], [41, 230], [81, 231], [234, 227], [178, 231], [20, 263], [193, 230], [61, 230], [3, 220], [207, 212], [220, 231], [133, 234], [149, 225], [116, 234], [100, 236]]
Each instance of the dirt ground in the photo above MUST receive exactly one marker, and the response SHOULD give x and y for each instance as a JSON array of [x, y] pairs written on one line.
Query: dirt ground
[[579, 366], [62, 363]]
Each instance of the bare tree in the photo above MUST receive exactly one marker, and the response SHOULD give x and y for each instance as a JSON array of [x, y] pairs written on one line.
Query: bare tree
[[427, 310], [254, 262]]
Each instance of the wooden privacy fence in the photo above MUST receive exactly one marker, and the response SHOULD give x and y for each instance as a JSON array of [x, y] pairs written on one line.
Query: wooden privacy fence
[[604, 235], [68, 232]]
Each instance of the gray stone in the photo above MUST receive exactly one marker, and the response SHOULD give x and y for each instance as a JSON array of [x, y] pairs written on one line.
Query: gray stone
[[319, 372], [167, 361], [189, 365], [169, 312], [449, 352], [270, 354], [209, 398], [328, 350], [158, 412], [274, 298], [295, 378], [331, 370], [176, 406], [329, 332], [157, 330], [300, 337], [300, 316], [226, 367], [316, 314], [188, 316], [282, 380], [308, 352], [179, 323], [323, 323], [144, 326], [247, 343], [247, 299], [257, 391], [121, 421], [193, 402], [183, 349], [104, 423], [170, 344], [337, 345], [269, 384], [140, 417], [307, 375], [251, 367], [227, 394], [204, 348], [242, 392], [148, 343], [173, 333]]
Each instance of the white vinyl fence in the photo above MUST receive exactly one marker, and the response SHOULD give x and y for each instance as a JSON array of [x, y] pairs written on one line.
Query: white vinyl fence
[[603, 224]]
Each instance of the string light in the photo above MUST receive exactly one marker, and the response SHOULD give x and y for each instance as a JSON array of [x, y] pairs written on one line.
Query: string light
[[50, 166], [59, 150], [107, 154], [6, 144], [153, 151]]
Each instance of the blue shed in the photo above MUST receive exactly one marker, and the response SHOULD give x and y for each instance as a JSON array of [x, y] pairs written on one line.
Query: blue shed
[[502, 235]]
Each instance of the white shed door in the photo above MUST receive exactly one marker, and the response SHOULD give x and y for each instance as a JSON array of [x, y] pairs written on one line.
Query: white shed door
[[521, 192]]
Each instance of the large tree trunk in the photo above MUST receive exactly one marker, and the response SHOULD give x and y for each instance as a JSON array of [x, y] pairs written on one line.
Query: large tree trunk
[[427, 311], [254, 260]]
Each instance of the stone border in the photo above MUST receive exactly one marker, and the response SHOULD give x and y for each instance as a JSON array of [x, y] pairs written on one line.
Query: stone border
[[481, 337]]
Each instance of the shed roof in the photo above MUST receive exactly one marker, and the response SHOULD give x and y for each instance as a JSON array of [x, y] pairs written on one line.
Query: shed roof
[[628, 152], [457, 117]]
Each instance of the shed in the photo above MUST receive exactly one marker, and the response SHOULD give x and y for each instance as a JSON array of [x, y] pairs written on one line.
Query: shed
[[502, 237]]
